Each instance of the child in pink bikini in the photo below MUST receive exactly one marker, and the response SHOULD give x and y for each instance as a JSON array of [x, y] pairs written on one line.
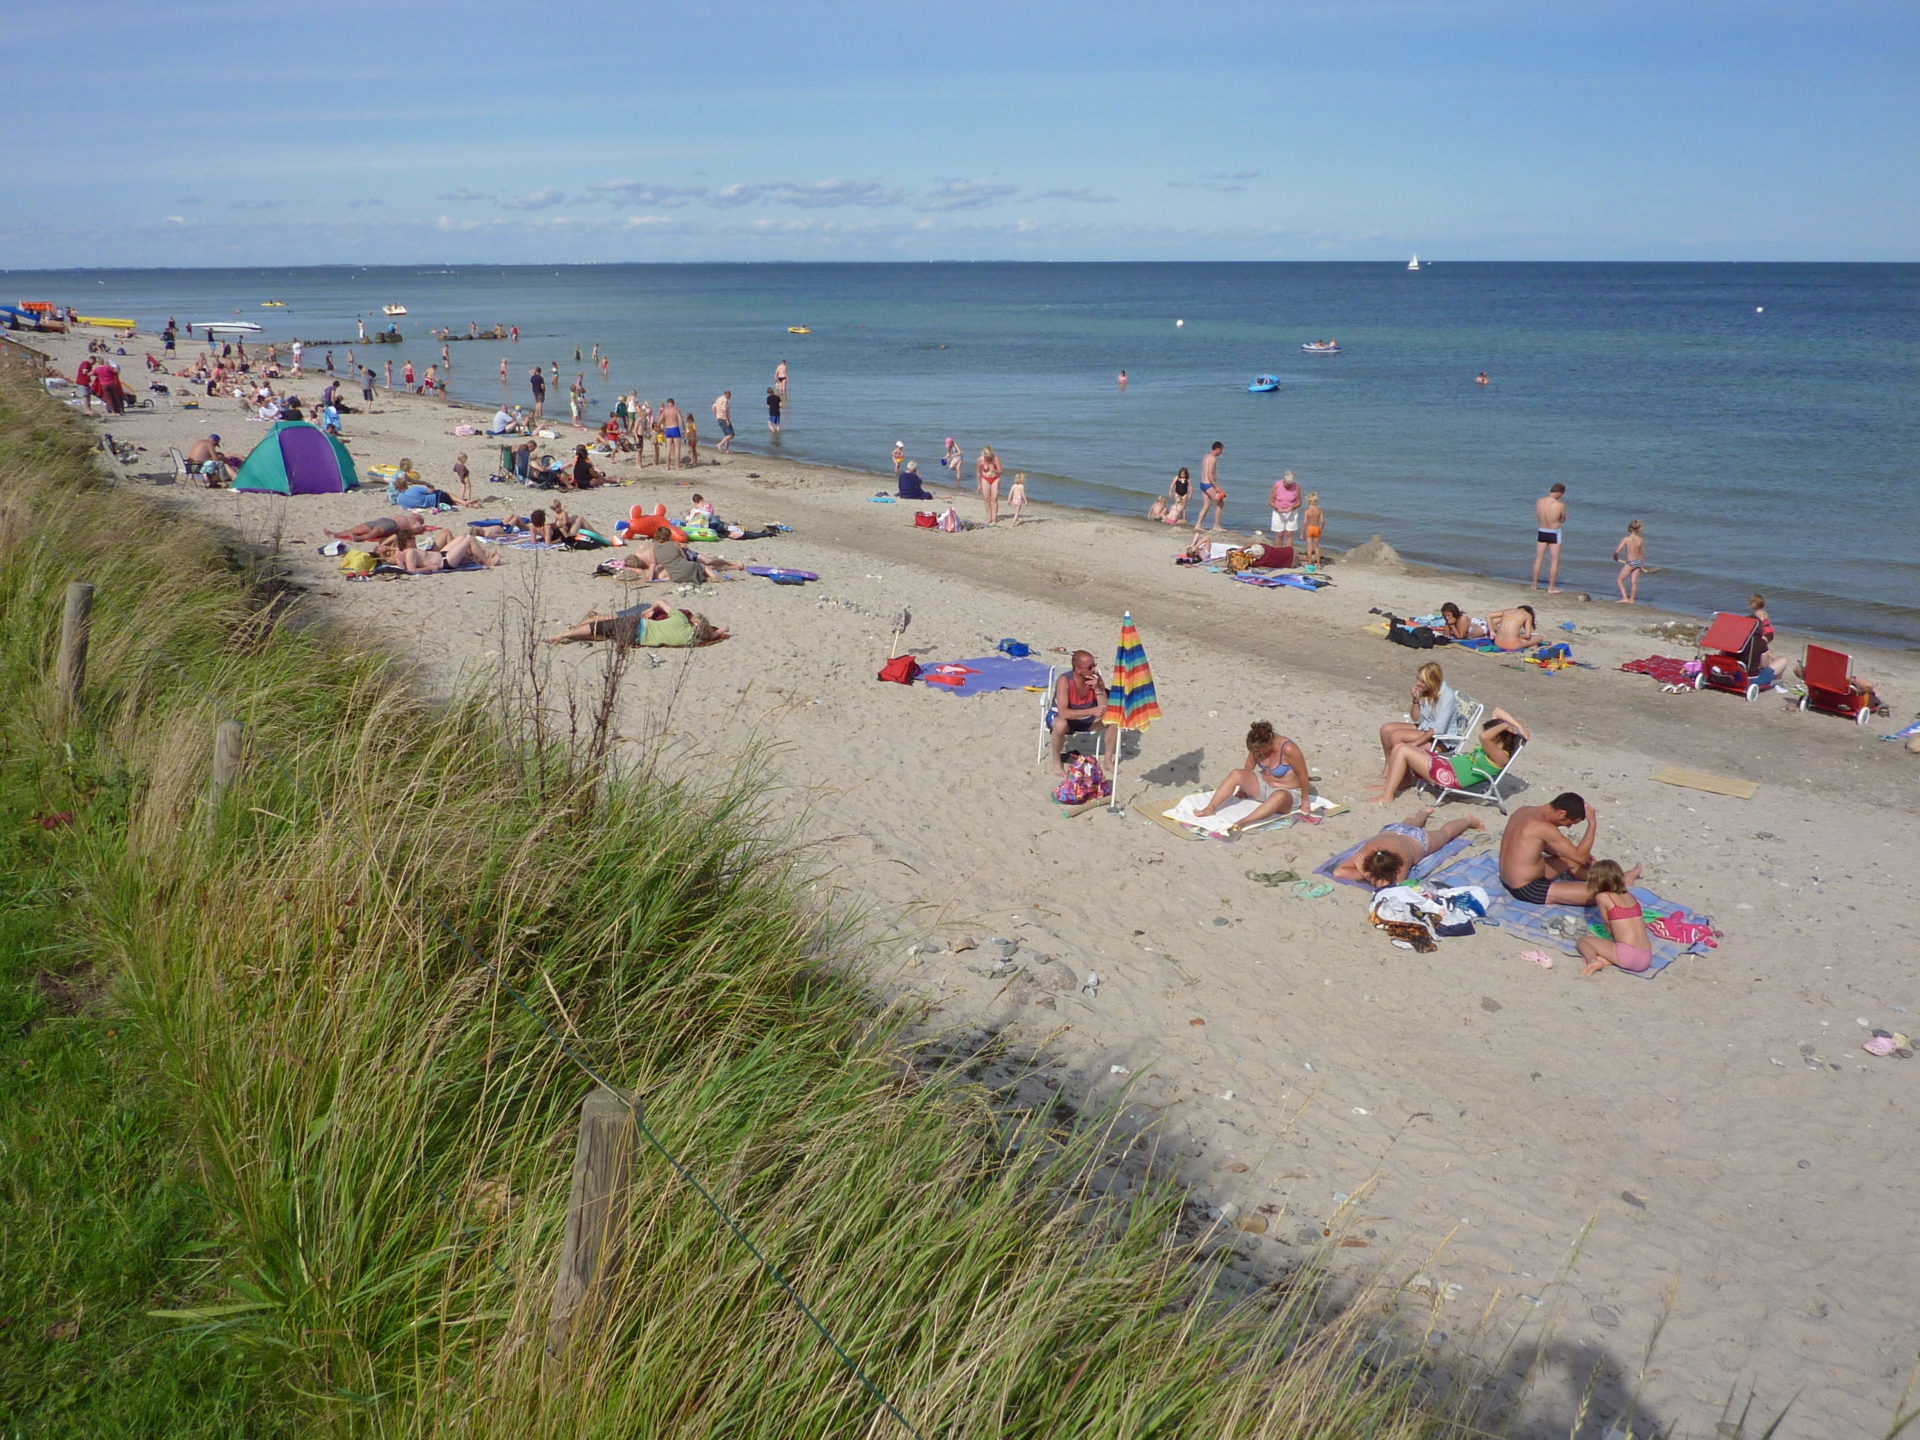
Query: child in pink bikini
[[1629, 948]]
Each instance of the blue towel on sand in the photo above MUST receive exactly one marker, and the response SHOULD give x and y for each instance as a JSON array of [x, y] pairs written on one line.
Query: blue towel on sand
[[997, 672], [1530, 921], [1484, 645], [1447, 852]]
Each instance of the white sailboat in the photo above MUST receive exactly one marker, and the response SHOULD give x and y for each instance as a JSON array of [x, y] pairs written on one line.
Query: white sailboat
[[1414, 263]]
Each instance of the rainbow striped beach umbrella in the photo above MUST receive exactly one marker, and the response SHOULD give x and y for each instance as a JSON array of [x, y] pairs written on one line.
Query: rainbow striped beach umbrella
[[1131, 703]]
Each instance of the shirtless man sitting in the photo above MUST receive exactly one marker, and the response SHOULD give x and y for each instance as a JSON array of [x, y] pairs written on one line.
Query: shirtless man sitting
[[1390, 857], [383, 528], [1539, 865], [1512, 629], [203, 459]]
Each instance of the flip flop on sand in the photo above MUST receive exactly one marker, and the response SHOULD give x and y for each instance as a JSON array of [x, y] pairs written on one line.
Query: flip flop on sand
[[1313, 889], [1538, 957], [1272, 877]]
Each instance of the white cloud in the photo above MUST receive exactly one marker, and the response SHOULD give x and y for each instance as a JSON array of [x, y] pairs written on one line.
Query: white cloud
[[833, 193], [463, 193], [535, 200], [1079, 196], [642, 192], [255, 205], [363, 204], [964, 195]]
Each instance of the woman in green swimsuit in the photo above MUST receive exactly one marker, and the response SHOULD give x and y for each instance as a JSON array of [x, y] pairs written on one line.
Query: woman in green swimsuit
[[1500, 736]]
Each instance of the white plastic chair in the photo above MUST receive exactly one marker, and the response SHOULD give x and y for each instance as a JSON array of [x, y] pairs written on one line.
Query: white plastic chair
[[1467, 714], [1482, 790]]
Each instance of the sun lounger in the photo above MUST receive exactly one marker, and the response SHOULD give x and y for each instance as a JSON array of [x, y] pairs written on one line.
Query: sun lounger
[[1830, 691]]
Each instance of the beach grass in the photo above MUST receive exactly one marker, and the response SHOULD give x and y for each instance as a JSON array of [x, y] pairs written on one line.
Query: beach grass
[[313, 1153]]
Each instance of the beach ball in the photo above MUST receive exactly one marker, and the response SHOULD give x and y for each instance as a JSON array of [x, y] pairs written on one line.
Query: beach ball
[[1178, 323]]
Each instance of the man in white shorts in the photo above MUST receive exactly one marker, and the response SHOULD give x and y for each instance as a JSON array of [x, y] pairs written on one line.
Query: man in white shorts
[[1285, 501]]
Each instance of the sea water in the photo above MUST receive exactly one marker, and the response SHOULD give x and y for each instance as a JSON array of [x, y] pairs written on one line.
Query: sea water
[[1760, 419]]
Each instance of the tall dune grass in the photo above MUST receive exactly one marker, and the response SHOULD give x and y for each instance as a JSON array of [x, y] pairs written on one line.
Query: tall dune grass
[[384, 1134]]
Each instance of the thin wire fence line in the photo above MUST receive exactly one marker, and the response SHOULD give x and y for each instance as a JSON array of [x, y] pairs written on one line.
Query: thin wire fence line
[[588, 1069]]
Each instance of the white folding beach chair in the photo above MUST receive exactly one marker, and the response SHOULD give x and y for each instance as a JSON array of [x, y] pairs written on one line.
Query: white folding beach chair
[[1467, 714], [1485, 789], [1047, 713], [180, 469]]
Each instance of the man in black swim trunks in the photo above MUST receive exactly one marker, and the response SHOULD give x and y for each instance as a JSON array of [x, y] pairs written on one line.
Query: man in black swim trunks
[[1538, 863]]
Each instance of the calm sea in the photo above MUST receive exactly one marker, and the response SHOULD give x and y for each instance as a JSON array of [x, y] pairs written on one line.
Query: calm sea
[[1761, 419]]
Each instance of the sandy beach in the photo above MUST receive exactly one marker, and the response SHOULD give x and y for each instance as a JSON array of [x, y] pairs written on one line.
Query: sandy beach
[[1565, 1165]]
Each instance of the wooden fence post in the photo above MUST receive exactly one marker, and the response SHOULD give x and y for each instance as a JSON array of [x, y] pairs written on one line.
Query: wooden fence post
[[597, 1210], [75, 628], [229, 752]]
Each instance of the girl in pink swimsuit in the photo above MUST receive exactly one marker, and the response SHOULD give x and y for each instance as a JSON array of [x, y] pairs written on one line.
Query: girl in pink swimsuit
[[1628, 948]]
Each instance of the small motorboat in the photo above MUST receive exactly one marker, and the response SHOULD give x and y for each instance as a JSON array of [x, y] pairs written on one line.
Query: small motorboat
[[798, 330], [393, 309], [1321, 347], [237, 327], [273, 304], [1263, 385]]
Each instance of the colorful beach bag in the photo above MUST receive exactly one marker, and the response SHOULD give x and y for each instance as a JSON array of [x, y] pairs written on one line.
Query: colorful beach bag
[[1084, 781]]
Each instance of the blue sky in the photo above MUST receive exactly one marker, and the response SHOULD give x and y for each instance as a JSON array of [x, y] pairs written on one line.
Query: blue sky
[[220, 133]]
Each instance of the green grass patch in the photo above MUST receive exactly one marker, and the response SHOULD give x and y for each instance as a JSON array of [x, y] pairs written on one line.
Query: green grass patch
[[317, 1177]]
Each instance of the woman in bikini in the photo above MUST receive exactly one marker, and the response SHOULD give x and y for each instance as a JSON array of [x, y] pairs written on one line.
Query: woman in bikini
[[986, 474], [1275, 773], [1627, 945], [1392, 856], [461, 550], [1461, 626], [1512, 629], [1500, 737]]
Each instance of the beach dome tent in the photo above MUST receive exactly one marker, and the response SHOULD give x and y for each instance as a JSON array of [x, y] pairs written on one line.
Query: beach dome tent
[[296, 458]]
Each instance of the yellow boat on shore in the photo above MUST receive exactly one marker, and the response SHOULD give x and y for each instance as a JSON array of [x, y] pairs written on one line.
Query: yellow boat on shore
[[110, 323]]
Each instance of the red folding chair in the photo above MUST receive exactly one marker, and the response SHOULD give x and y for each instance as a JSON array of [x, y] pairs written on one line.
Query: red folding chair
[[1830, 691], [1730, 656]]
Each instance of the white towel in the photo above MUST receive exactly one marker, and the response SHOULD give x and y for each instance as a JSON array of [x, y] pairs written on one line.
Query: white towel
[[1233, 812]]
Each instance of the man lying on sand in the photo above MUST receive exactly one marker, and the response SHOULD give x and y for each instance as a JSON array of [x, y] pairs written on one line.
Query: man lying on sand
[[382, 528], [1539, 864], [655, 624], [1389, 857]]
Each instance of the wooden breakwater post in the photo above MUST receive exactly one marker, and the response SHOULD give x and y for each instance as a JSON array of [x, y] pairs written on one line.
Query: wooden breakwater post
[[597, 1211], [76, 628], [229, 756]]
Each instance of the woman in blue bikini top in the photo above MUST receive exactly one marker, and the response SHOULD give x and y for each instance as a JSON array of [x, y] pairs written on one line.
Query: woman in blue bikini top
[[1271, 759]]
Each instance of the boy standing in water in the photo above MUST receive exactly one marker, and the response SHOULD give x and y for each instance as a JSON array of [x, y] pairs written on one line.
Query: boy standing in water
[[1631, 552], [1549, 518], [1313, 518]]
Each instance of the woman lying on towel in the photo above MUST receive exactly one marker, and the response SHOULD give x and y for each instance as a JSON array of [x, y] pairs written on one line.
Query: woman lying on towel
[[457, 553], [655, 624], [1274, 773], [1460, 626], [1500, 736]]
